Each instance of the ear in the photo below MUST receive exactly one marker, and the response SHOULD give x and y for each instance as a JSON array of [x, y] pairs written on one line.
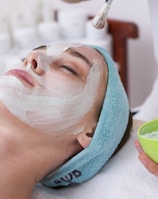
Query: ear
[[84, 139]]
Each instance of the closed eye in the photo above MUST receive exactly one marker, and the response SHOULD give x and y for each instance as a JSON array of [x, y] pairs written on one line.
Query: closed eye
[[69, 69]]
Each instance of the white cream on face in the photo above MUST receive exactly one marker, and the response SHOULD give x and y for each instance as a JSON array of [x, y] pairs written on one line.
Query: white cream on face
[[50, 111]]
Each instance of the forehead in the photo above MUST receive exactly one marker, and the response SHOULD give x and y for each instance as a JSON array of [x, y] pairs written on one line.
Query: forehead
[[60, 48], [90, 53]]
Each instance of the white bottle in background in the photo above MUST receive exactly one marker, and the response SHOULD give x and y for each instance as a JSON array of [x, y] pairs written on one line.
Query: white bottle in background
[[72, 23], [98, 37], [48, 28], [5, 40], [23, 31]]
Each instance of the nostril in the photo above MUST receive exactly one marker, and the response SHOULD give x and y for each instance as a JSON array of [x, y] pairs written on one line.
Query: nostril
[[34, 63]]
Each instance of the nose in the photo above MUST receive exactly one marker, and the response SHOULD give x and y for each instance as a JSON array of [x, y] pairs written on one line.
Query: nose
[[32, 60]]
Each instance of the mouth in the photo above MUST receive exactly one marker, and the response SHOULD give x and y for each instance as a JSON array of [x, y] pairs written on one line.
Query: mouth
[[23, 76]]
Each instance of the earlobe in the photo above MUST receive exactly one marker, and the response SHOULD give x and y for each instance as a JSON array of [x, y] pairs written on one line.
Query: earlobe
[[84, 139]]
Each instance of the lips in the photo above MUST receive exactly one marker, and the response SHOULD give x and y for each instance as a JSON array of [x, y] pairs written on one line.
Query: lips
[[23, 76]]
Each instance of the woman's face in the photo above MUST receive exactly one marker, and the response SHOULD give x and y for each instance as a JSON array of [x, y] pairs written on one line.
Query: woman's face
[[55, 87]]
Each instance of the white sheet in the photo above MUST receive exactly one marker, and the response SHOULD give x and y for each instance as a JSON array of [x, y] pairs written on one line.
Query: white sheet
[[123, 177]]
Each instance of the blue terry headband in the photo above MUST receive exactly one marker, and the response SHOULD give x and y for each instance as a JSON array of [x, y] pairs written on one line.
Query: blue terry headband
[[110, 129]]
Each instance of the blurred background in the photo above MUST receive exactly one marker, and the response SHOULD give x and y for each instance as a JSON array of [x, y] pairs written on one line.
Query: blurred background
[[27, 24]]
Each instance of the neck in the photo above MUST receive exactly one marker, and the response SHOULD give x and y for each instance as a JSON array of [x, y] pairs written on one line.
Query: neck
[[64, 147], [60, 149], [29, 155], [53, 150]]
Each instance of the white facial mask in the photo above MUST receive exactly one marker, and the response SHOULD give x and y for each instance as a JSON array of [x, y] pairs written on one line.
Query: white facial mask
[[52, 113]]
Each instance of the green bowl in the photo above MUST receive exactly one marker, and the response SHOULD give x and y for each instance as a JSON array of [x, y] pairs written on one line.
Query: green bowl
[[148, 143]]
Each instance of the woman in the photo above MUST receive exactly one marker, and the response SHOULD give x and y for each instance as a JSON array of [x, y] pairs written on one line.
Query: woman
[[61, 107]]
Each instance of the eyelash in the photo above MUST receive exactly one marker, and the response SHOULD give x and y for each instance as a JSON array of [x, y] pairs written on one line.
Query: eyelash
[[69, 69]]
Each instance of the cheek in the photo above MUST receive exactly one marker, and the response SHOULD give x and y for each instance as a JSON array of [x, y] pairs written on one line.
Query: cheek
[[61, 86]]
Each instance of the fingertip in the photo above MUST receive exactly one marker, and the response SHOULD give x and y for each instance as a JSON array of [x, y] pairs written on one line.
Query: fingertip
[[138, 146]]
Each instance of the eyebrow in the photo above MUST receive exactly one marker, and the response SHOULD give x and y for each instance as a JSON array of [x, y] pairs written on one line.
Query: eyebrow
[[79, 55], [40, 47]]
